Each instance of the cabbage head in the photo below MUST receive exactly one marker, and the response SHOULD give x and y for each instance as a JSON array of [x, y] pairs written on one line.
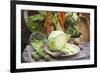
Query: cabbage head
[[57, 40]]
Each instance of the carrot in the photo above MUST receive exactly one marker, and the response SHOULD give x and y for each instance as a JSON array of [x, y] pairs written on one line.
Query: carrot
[[61, 18], [48, 27]]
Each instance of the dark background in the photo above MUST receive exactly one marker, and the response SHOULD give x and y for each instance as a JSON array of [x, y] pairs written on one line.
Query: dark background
[[25, 33]]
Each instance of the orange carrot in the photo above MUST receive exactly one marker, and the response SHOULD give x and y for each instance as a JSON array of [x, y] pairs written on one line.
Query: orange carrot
[[61, 18], [48, 27]]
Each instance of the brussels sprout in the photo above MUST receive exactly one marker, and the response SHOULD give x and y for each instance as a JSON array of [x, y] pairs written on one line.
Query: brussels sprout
[[46, 57], [35, 56]]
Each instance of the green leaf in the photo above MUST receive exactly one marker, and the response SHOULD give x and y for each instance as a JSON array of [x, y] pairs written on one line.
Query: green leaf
[[33, 26], [56, 22], [43, 13], [71, 23], [37, 17]]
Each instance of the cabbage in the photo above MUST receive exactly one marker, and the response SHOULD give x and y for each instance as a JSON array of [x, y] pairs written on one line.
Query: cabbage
[[68, 49], [56, 40]]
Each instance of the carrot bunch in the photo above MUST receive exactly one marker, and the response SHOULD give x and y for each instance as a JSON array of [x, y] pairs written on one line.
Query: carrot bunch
[[61, 19], [48, 25]]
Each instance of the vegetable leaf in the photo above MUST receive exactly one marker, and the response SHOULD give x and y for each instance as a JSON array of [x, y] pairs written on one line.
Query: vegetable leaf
[[70, 25], [56, 22], [43, 13], [33, 26], [37, 17]]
